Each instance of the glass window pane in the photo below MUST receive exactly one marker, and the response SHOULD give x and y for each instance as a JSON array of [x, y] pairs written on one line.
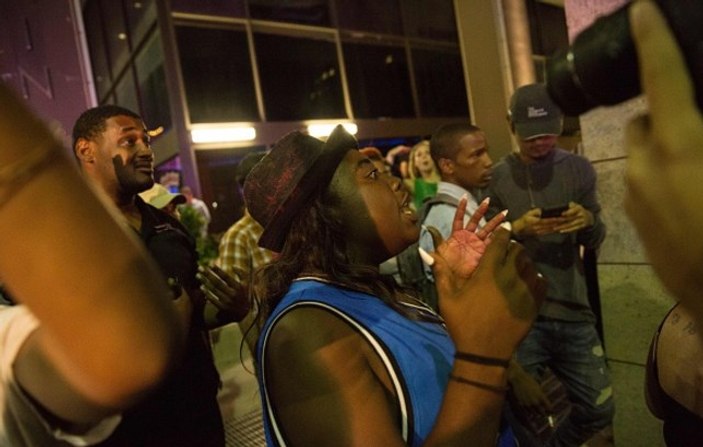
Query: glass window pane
[[126, 92], [429, 19], [96, 47], [109, 99], [380, 16], [307, 12], [299, 78], [439, 78], [141, 15], [151, 79], [378, 80], [217, 74], [230, 8], [116, 35], [547, 28]]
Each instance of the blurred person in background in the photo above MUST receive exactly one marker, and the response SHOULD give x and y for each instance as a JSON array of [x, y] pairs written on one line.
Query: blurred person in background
[[423, 176], [239, 253], [199, 206], [161, 198]]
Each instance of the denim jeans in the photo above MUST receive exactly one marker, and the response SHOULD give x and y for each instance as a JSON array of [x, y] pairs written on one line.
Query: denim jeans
[[573, 351]]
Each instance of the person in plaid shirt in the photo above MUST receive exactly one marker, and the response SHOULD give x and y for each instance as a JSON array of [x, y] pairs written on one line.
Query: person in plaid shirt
[[239, 252]]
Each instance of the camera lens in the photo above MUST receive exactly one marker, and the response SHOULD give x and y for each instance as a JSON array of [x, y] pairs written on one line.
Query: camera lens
[[600, 67]]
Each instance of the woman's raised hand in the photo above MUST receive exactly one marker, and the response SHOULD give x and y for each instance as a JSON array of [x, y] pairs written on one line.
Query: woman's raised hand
[[467, 243], [489, 289]]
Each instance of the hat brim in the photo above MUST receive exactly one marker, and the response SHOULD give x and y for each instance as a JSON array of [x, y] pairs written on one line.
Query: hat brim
[[164, 199], [530, 130], [317, 177]]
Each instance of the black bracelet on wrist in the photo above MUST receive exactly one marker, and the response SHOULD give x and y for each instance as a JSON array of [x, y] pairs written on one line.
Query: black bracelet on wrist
[[480, 359], [484, 386]]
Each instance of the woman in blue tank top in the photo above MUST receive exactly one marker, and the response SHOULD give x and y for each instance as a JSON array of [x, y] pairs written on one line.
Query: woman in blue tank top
[[347, 357]]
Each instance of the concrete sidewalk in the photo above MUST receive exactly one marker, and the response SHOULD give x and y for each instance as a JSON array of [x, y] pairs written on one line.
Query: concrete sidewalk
[[239, 396]]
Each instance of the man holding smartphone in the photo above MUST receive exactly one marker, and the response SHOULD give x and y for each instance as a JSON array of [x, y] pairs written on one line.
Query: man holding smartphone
[[550, 194]]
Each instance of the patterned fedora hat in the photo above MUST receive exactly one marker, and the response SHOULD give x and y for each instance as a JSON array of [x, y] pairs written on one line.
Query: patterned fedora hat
[[284, 180]]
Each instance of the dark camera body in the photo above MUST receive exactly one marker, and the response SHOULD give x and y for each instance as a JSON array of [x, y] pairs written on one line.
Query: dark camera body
[[600, 67]]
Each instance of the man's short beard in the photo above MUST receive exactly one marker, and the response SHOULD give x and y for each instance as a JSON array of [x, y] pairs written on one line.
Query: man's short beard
[[129, 180]]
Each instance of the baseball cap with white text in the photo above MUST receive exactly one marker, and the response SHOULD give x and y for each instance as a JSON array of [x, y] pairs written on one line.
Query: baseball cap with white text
[[533, 113]]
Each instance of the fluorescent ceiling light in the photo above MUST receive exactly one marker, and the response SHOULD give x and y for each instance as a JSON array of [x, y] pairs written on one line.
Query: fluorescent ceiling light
[[324, 130], [222, 134]]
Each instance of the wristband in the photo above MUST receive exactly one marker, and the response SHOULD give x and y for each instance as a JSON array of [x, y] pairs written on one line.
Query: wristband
[[480, 359], [484, 386]]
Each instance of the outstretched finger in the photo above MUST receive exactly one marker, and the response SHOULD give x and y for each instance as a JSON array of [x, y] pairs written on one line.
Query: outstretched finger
[[492, 224], [476, 217], [232, 279], [213, 298], [458, 222], [210, 278], [638, 169]]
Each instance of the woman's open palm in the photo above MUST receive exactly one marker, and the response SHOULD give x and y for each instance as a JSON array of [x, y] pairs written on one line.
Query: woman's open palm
[[463, 250]]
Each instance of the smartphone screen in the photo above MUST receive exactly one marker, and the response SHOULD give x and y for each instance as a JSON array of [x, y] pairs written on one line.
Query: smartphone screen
[[554, 212]]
